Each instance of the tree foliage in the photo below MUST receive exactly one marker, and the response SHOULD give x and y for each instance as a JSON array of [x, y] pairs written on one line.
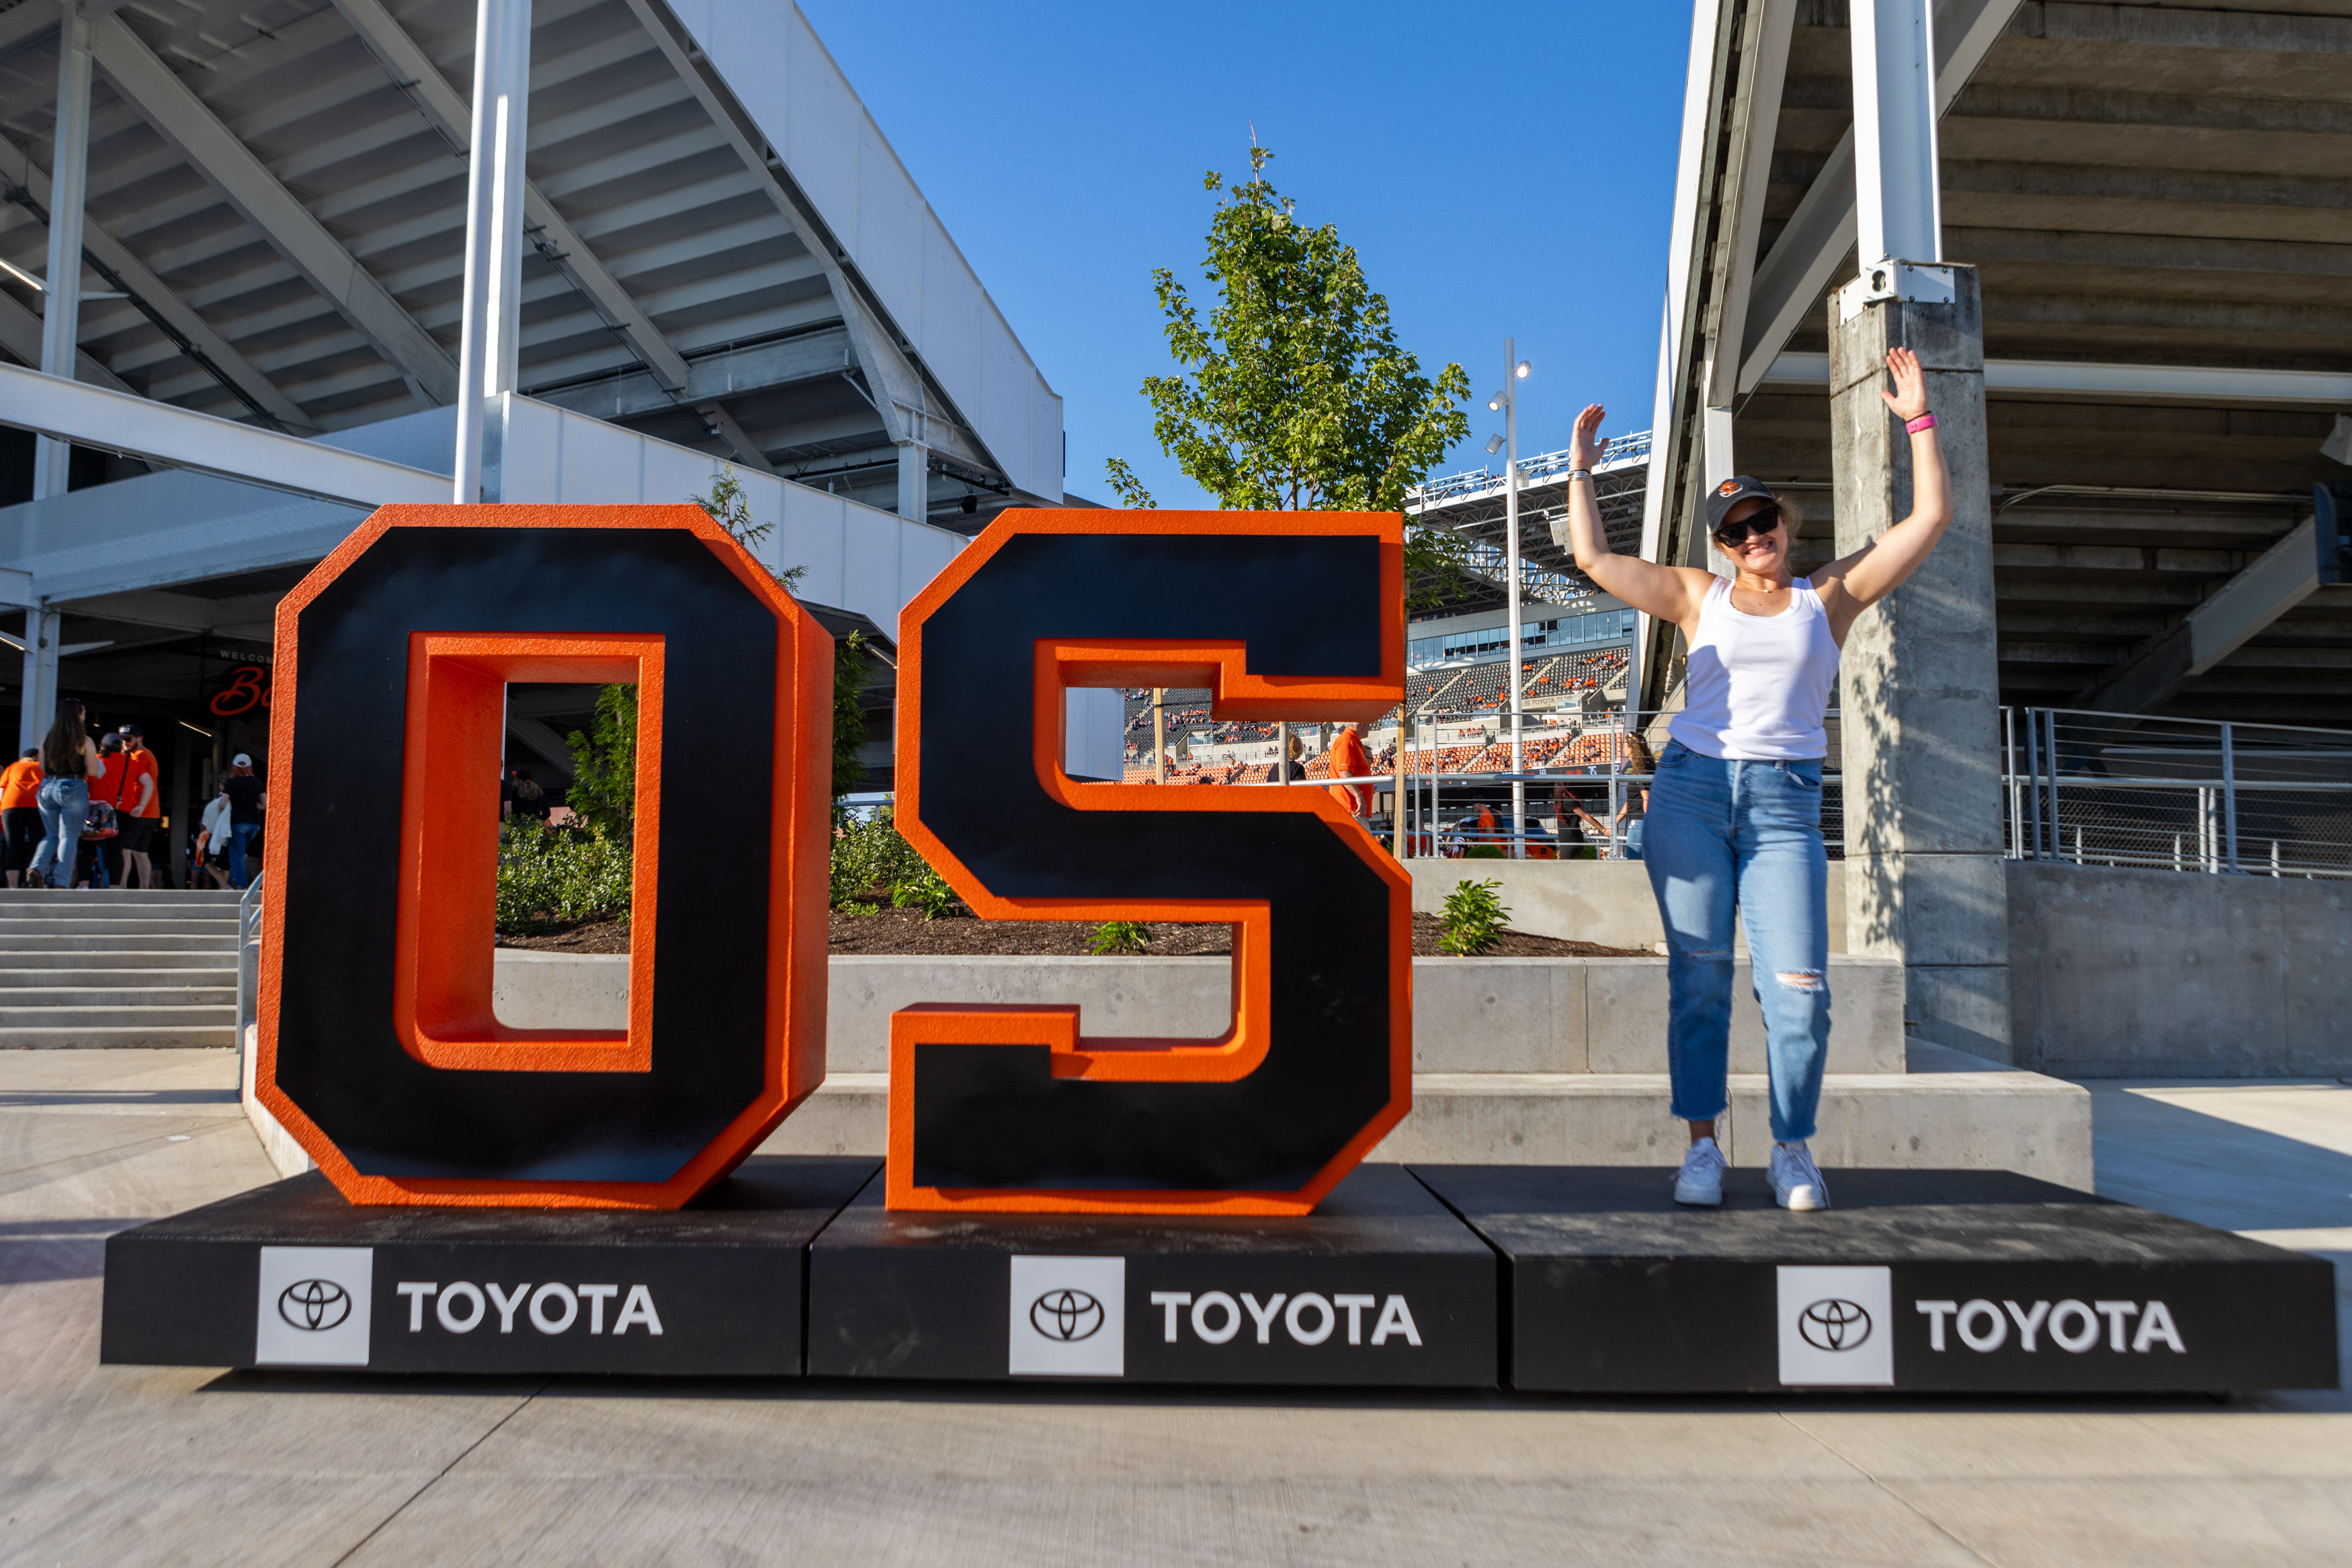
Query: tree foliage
[[850, 660], [1295, 395], [731, 510], [605, 764]]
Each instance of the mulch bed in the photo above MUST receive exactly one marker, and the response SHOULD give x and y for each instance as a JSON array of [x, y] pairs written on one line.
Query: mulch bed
[[594, 937], [905, 933]]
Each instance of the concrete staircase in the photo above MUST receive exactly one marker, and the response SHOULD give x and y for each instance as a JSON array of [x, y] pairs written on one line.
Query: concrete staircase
[[113, 968]]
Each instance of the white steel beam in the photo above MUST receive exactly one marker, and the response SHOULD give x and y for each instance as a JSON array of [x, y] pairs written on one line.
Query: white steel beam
[[2177, 384], [182, 438], [211, 350], [2281, 578], [1795, 274], [1898, 203], [180, 117], [61, 300], [413, 70], [488, 349], [20, 334]]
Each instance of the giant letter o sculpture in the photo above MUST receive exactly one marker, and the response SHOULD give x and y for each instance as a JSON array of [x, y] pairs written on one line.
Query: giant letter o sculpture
[[1285, 615], [377, 1046]]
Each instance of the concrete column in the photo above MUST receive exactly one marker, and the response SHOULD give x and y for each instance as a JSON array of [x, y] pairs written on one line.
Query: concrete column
[[914, 481], [1921, 689], [68, 179], [40, 696]]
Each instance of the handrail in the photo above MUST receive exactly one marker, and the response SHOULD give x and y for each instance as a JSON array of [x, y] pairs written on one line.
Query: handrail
[[247, 931]]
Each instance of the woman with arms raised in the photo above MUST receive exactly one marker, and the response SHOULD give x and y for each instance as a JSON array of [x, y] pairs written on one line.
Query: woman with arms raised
[[1735, 817]]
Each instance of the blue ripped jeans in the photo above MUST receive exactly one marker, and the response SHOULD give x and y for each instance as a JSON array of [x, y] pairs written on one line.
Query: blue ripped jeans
[[1725, 835]]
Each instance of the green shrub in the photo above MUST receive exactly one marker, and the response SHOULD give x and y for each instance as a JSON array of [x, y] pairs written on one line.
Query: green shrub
[[926, 889], [603, 793], [1473, 919], [552, 877], [871, 860], [1114, 936]]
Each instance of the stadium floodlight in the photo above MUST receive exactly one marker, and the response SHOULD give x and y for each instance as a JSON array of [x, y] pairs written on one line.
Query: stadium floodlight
[[1497, 400], [1524, 369], [1494, 444]]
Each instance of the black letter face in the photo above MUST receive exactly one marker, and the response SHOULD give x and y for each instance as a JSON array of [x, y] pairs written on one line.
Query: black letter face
[[377, 1046], [1289, 615]]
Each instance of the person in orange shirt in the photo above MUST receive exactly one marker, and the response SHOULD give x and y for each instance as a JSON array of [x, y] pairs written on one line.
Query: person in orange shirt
[[139, 810], [20, 813], [1350, 760]]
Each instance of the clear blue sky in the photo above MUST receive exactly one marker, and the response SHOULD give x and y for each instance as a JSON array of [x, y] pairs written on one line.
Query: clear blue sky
[[1502, 170]]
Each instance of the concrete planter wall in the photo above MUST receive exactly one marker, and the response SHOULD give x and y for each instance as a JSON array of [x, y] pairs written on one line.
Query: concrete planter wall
[[1470, 1015], [2161, 974], [1608, 902]]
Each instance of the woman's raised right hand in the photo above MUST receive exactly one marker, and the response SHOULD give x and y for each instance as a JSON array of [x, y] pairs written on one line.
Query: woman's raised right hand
[[1585, 447]]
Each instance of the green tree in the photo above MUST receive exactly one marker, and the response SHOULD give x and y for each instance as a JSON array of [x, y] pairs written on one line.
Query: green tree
[[729, 509], [605, 764], [1295, 396], [851, 659]]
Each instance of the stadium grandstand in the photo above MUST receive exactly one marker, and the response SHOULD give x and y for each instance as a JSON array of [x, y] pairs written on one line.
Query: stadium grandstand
[[236, 254], [2155, 199]]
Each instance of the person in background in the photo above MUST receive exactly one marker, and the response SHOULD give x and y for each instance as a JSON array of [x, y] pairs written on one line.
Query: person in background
[[70, 761], [1349, 760], [100, 861], [246, 802], [138, 811], [20, 810], [1630, 817], [529, 799], [212, 840], [1579, 829]]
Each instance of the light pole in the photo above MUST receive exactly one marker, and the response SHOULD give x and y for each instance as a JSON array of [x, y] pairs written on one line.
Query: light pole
[[1515, 371]]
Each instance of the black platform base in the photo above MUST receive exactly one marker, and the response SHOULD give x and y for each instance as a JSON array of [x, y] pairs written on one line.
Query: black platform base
[[291, 1275], [1575, 1279], [1918, 1280], [1381, 1286]]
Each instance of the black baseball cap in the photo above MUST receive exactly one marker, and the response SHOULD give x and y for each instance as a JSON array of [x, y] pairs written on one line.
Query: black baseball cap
[[1730, 493]]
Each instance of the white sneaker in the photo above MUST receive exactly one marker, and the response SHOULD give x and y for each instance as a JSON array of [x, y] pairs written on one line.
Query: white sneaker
[[1796, 1181], [1700, 1181]]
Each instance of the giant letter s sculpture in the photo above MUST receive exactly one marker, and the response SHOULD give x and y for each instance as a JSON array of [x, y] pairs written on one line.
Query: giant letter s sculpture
[[1286, 615]]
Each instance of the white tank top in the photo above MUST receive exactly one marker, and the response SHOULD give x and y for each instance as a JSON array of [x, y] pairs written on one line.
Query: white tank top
[[1758, 686]]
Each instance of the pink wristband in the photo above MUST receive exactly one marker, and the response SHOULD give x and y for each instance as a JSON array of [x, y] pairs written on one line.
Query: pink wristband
[[1925, 421]]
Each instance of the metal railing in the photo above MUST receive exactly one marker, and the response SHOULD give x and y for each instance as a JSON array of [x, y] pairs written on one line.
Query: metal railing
[[2190, 795], [248, 962], [1622, 451]]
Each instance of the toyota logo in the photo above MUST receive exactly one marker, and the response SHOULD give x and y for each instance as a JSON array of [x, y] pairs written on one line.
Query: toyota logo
[[1833, 1324], [1066, 1315], [314, 1306]]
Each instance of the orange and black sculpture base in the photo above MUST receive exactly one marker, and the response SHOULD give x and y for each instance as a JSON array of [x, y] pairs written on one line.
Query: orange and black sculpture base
[[1531, 1277]]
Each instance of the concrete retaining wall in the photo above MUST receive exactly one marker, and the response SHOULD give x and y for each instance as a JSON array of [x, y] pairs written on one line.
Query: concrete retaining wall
[[1470, 1015], [2159, 974], [1607, 902]]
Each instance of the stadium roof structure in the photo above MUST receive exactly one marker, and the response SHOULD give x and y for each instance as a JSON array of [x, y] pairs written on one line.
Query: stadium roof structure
[[1475, 505], [2159, 200], [723, 262]]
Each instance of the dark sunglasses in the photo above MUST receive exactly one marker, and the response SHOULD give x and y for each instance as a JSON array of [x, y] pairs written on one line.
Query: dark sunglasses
[[1763, 520]]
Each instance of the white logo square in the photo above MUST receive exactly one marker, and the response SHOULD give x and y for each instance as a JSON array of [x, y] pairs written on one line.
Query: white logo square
[[1837, 1328], [313, 1306], [1069, 1318]]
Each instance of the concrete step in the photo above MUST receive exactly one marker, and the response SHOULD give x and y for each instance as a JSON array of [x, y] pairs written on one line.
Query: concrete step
[[94, 942], [18, 930], [120, 897], [172, 993], [81, 980], [1987, 1120], [198, 960], [144, 1014], [100, 1036]]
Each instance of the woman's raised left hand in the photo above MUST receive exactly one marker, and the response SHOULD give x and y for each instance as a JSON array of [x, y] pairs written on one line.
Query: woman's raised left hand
[[1909, 398]]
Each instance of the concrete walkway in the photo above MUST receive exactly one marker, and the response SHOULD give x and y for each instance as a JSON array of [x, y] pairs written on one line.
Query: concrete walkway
[[115, 1464]]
